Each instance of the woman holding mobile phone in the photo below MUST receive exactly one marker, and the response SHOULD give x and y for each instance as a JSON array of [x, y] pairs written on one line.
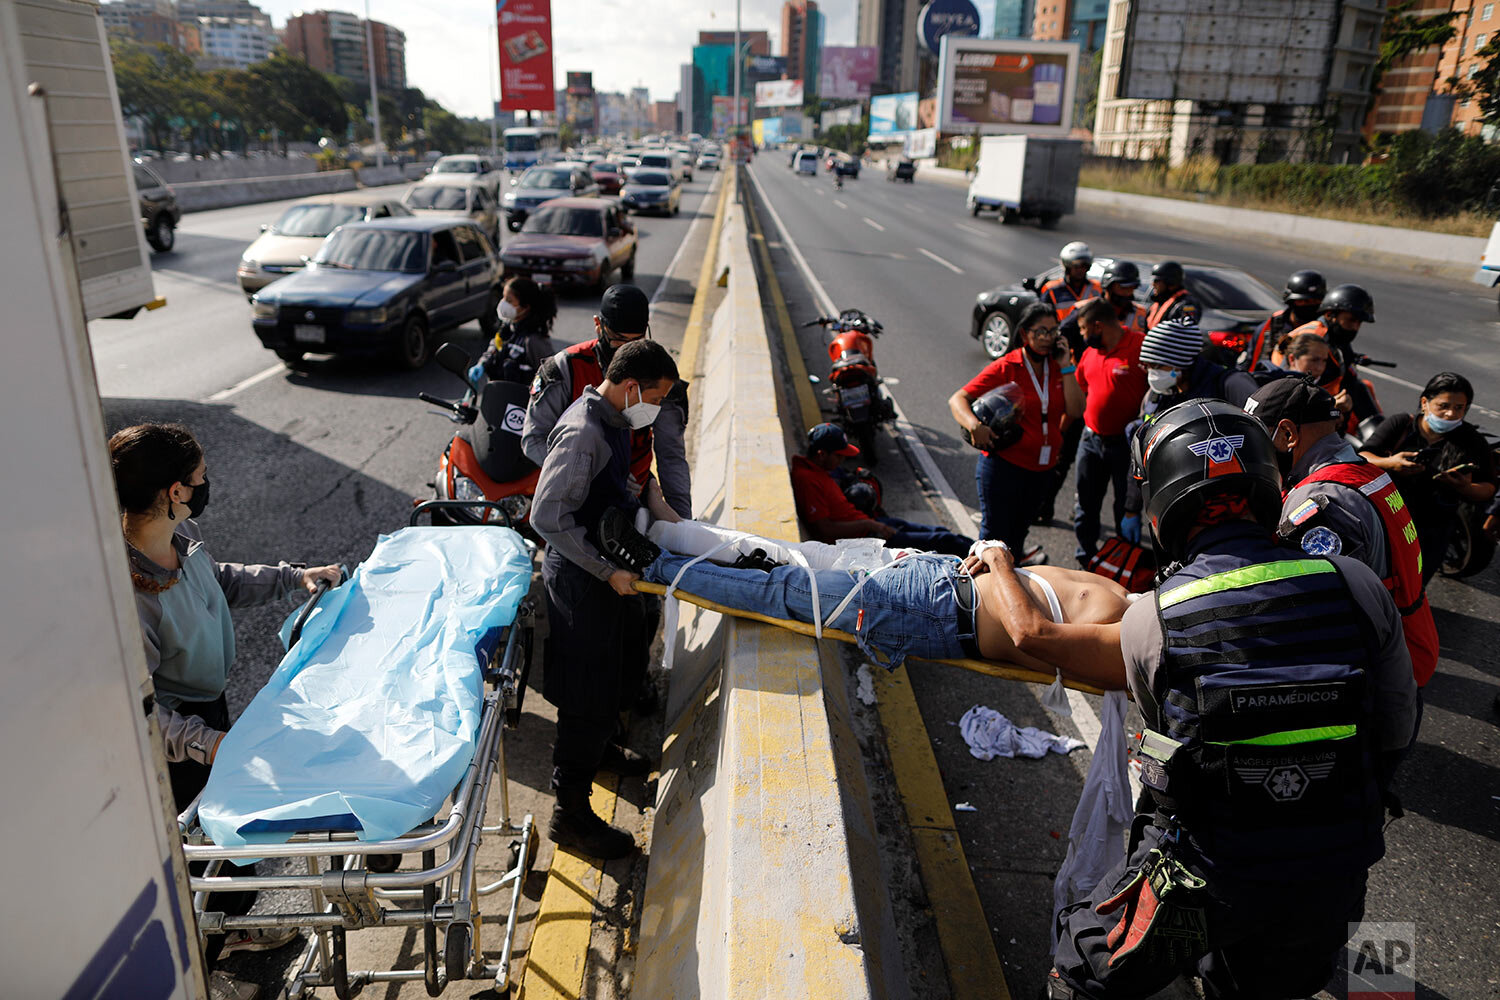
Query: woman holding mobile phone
[[1015, 478], [1438, 460]]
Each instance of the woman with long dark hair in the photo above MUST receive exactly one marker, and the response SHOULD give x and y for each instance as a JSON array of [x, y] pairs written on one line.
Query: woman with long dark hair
[[524, 340], [183, 597]]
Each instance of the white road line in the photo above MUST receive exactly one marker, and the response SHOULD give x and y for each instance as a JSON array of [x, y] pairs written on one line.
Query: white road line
[[244, 384], [1084, 717], [969, 229], [1387, 376], [820, 191], [936, 259], [839, 203], [873, 224], [661, 286]]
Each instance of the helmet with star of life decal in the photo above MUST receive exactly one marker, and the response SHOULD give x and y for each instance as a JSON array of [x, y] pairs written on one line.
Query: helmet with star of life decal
[[1198, 450]]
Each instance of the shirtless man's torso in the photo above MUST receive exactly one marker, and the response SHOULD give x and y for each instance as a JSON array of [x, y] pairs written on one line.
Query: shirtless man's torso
[[1084, 598]]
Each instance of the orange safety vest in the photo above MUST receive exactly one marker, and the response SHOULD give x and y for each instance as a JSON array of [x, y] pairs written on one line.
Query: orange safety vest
[[585, 370], [1159, 309], [1058, 294], [1405, 579]]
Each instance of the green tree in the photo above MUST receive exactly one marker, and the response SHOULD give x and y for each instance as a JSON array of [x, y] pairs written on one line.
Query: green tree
[[296, 99], [157, 84], [1405, 32]]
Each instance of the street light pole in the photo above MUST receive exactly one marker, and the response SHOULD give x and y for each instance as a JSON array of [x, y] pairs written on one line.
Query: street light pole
[[494, 97], [738, 58], [374, 94]]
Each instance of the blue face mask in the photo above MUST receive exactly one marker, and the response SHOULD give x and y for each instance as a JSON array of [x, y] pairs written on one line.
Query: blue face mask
[[1440, 426]]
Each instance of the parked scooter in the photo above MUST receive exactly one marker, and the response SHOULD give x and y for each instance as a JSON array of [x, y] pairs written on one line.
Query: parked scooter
[[484, 460], [859, 398]]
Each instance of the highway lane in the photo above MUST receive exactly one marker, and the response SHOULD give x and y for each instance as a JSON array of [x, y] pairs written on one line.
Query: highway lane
[[911, 256]]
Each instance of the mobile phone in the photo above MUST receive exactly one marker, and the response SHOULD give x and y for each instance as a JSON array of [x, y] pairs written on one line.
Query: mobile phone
[[1458, 470]]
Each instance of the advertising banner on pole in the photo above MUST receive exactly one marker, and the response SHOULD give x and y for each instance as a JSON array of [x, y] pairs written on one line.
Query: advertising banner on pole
[[999, 86], [778, 94], [846, 72], [723, 114], [893, 115], [525, 33]]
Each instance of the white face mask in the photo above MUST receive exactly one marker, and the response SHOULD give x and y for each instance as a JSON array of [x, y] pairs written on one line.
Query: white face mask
[[507, 312], [640, 414], [1162, 380]]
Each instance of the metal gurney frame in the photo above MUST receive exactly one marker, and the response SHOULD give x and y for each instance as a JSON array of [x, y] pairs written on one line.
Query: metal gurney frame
[[345, 894]]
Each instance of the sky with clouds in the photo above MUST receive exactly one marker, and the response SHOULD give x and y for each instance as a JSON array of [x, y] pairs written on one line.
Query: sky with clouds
[[450, 49]]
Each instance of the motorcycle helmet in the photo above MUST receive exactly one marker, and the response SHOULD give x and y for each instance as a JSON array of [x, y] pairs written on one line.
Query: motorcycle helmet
[[1169, 273], [862, 495], [1305, 286], [1000, 410], [1349, 298], [1076, 252], [1198, 450], [1121, 272]]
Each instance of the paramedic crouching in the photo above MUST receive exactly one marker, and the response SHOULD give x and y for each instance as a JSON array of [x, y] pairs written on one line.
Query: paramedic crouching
[[183, 597], [1278, 699], [595, 616]]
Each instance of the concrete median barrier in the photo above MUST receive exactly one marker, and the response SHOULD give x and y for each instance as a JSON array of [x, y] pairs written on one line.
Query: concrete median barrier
[[198, 196], [763, 880], [391, 173]]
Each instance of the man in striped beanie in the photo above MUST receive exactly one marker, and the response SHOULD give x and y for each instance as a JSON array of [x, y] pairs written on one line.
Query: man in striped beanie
[[1176, 371]]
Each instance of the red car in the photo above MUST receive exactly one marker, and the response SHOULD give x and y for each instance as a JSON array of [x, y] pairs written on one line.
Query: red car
[[578, 242], [607, 176]]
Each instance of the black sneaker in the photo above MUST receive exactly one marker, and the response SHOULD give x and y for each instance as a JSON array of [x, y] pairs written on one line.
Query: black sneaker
[[626, 762], [756, 560], [622, 543]]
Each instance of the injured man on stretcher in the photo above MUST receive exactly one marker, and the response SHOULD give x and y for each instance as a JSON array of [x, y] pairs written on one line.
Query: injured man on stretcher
[[895, 603]]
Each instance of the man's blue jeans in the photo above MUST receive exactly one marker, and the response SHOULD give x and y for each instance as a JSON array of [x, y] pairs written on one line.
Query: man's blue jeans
[[1009, 498], [1102, 462], [909, 609], [927, 537]]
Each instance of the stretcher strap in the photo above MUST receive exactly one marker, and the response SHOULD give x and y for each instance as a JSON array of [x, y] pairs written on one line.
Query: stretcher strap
[[673, 606]]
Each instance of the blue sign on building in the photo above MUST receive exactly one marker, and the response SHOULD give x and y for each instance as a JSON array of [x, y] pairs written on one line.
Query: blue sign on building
[[946, 17]]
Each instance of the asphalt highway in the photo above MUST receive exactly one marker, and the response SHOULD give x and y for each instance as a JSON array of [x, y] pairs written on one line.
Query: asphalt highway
[[911, 255]]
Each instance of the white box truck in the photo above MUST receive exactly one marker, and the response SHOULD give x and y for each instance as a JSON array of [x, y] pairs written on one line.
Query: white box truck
[[97, 903], [1026, 176]]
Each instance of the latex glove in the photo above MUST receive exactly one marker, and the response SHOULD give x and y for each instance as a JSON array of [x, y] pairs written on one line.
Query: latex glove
[[476, 374], [1130, 528]]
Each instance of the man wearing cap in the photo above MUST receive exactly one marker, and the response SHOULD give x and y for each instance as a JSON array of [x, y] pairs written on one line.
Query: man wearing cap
[[624, 315], [829, 514], [1339, 504], [1113, 383]]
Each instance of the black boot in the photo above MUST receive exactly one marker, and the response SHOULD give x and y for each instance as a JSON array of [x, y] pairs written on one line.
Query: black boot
[[624, 545], [575, 827]]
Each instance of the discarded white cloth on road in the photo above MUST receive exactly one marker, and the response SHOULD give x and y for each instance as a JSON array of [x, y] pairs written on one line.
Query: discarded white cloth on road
[[1096, 839], [990, 735]]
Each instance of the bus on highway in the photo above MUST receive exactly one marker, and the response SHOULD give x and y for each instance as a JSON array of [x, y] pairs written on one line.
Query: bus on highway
[[526, 146]]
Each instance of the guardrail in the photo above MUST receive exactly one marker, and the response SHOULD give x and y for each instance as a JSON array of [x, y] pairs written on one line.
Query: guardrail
[[763, 881], [198, 196]]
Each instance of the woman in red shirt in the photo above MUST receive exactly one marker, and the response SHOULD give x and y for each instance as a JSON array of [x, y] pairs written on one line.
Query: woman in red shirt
[[1014, 481]]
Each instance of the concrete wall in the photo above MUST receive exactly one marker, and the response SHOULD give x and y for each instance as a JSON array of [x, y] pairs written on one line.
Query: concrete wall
[[763, 881], [197, 196], [174, 172], [371, 176]]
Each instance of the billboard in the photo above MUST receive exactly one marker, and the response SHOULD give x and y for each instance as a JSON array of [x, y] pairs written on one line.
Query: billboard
[[893, 115], [921, 144], [778, 94], [722, 119], [850, 115], [941, 18], [765, 67], [765, 131], [525, 35], [847, 71], [1230, 51], [998, 86]]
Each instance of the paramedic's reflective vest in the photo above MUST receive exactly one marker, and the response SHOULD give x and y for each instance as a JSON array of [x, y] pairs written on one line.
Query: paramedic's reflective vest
[[1134, 318], [1061, 296], [1405, 579], [1178, 305], [1277, 325], [584, 370], [1262, 680]]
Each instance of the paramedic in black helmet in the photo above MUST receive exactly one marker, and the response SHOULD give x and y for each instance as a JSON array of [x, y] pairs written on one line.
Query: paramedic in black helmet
[[1277, 697], [1303, 295], [1342, 312], [1170, 298]]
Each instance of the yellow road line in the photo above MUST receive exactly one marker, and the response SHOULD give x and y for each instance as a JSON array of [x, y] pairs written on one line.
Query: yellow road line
[[974, 969], [692, 337], [559, 949], [807, 401]]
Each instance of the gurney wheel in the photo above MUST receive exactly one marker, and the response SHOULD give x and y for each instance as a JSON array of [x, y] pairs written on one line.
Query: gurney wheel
[[456, 951]]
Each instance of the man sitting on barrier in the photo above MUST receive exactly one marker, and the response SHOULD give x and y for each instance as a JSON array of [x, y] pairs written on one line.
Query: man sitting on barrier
[[895, 603]]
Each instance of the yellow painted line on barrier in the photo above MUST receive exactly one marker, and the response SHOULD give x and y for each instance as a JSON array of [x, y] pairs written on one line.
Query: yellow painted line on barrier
[[692, 337], [974, 969], [558, 954], [807, 401]]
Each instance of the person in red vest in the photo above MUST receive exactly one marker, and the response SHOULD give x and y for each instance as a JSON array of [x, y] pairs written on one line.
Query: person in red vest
[[1339, 504], [1065, 294], [1342, 312], [1170, 298]]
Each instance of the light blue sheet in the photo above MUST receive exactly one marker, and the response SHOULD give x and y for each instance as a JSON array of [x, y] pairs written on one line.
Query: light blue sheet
[[371, 719]]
